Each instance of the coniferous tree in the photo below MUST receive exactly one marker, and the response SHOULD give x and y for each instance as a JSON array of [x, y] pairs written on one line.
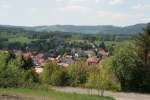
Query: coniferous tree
[[143, 46], [143, 60]]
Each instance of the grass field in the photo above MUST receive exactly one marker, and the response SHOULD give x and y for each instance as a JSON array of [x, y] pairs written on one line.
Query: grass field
[[30, 94], [20, 39]]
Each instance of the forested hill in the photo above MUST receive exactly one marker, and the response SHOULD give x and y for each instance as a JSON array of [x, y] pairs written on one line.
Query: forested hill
[[103, 29]]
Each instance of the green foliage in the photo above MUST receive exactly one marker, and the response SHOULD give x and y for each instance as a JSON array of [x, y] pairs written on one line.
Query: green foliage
[[30, 78], [101, 77], [143, 61], [78, 74], [102, 45], [27, 63], [11, 72], [56, 78], [124, 65], [53, 75], [131, 64], [47, 73]]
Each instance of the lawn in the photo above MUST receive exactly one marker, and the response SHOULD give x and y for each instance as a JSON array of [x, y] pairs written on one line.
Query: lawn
[[36, 94]]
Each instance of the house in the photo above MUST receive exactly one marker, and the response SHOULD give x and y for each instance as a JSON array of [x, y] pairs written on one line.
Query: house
[[89, 53], [76, 52], [64, 60], [40, 60], [27, 55], [92, 60], [102, 53]]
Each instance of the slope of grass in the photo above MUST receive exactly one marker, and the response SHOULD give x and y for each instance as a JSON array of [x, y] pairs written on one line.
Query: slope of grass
[[20, 39], [37, 94]]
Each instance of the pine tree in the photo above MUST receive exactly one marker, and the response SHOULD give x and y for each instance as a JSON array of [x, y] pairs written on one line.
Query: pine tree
[[143, 60], [143, 46]]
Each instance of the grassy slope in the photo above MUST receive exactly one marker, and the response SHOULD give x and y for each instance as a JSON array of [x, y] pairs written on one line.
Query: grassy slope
[[49, 95], [20, 39]]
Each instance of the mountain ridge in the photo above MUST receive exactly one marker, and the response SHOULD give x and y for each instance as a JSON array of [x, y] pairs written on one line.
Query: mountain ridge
[[84, 29]]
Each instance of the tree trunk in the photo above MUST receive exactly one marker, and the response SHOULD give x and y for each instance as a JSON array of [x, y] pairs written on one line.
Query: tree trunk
[[102, 92], [98, 92], [91, 91]]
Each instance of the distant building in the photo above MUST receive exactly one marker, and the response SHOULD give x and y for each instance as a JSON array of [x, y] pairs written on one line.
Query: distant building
[[92, 60], [89, 53], [102, 53]]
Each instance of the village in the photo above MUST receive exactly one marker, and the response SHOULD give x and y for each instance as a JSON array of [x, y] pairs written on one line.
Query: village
[[91, 56]]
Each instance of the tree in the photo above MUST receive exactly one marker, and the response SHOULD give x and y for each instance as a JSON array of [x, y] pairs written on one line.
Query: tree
[[27, 63], [143, 47], [131, 64], [77, 74], [54, 75], [47, 73], [56, 78], [12, 74], [91, 80], [124, 65], [30, 78], [102, 45], [143, 61], [103, 76], [99, 77]]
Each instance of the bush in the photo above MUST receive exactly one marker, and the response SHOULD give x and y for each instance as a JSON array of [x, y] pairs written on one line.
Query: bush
[[30, 78], [56, 78], [47, 73], [78, 74], [54, 75], [12, 74]]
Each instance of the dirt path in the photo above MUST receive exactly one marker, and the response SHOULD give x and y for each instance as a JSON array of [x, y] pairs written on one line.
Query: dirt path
[[116, 95], [22, 97]]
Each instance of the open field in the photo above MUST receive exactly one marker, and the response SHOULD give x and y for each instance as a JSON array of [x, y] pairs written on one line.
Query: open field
[[29, 94]]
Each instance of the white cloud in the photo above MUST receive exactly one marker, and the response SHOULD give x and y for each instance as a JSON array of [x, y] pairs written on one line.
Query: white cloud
[[122, 18], [119, 16], [110, 2], [33, 9], [59, 0], [141, 7], [114, 2], [75, 8], [100, 1], [71, 1], [5, 6], [77, 0]]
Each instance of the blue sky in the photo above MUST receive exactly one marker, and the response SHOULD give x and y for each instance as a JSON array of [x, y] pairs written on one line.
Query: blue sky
[[74, 12]]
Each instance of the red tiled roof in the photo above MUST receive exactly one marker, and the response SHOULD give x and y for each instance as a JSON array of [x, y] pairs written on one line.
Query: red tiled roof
[[40, 55], [103, 53], [88, 52], [92, 60]]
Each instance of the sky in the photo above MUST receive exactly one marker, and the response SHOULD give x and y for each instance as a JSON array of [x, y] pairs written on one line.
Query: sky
[[74, 12]]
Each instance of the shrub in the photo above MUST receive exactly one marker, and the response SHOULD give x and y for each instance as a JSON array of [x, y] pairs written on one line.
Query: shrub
[[47, 72], [12, 74], [54, 75], [30, 78], [78, 74]]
